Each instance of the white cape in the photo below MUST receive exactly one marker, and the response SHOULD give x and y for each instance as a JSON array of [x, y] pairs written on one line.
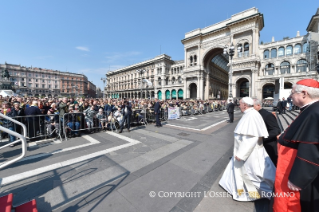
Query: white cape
[[252, 124]]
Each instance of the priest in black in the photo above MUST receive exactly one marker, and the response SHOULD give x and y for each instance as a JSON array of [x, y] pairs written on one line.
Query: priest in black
[[273, 129], [298, 153]]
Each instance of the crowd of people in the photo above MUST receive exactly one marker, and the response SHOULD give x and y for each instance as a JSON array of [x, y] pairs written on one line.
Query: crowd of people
[[50, 116]]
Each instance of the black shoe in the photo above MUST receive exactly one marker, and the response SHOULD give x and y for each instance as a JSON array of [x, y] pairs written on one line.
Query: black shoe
[[121, 131], [128, 130]]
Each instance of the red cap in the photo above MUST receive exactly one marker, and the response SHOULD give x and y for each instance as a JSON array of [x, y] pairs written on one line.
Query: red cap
[[309, 82]]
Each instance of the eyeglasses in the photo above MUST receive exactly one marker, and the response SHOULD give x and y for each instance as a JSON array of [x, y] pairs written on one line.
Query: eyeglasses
[[292, 93]]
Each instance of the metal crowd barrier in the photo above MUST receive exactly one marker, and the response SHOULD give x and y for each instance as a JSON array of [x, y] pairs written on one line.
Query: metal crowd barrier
[[21, 138], [36, 125]]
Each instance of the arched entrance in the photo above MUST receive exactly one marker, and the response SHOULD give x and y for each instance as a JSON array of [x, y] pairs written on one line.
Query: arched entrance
[[159, 95], [268, 90], [174, 94], [216, 64], [168, 94], [242, 86], [287, 85], [180, 94], [193, 91]]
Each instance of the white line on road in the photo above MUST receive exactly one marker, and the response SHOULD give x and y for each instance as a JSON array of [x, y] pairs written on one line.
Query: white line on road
[[213, 125], [27, 174], [90, 139]]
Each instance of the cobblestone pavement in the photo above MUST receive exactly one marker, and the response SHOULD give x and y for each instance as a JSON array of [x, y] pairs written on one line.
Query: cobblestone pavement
[[173, 168]]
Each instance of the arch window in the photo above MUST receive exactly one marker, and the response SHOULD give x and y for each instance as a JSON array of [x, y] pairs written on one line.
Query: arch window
[[289, 50], [302, 65], [266, 54], [166, 81], [240, 49], [273, 53], [281, 52], [297, 49], [305, 48], [173, 80], [195, 60], [285, 68], [180, 79], [246, 50], [270, 69]]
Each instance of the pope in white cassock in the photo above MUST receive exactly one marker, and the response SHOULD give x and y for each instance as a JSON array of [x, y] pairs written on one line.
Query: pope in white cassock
[[250, 174]]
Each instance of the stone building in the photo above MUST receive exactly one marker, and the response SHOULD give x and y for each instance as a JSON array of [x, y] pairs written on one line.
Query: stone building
[[207, 73], [31, 81], [73, 84]]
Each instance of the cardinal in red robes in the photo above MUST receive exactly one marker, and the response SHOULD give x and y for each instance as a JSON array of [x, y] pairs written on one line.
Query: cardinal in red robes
[[297, 179]]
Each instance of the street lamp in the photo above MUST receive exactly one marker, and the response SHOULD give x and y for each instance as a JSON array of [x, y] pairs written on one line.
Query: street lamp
[[230, 52], [104, 80], [141, 71]]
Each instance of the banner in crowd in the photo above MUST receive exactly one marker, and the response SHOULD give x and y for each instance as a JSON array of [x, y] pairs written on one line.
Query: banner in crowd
[[173, 113]]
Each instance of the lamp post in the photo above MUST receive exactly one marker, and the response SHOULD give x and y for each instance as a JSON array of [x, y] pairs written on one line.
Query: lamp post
[[230, 52], [104, 80], [141, 72]]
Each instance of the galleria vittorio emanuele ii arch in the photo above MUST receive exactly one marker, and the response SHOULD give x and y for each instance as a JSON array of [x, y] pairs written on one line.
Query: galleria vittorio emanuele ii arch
[[204, 72]]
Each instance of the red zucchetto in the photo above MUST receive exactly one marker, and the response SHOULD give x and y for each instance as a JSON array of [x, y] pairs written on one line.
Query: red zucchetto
[[309, 82]]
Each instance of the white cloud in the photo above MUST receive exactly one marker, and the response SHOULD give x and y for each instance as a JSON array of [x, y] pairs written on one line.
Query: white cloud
[[112, 57], [82, 48]]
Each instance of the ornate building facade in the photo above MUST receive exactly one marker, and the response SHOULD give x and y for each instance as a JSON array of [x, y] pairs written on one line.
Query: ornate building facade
[[204, 73], [32, 81]]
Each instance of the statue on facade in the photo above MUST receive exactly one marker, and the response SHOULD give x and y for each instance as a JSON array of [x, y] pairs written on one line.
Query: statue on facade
[[5, 74]]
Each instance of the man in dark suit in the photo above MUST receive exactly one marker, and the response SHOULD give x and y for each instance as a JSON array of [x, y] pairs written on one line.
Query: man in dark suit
[[157, 111], [279, 106], [127, 112], [230, 110], [273, 129], [283, 105], [33, 120]]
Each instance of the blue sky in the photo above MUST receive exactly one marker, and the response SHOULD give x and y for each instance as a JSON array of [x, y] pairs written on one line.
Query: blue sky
[[92, 37]]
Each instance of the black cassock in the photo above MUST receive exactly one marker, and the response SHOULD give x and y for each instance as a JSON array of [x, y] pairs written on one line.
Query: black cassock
[[303, 136], [273, 129]]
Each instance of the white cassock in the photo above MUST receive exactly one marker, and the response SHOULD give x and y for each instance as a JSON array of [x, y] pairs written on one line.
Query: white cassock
[[253, 177]]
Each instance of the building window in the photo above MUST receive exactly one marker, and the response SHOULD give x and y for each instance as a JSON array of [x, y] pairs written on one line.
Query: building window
[[43, 86], [281, 52], [36, 80], [289, 50], [22, 79], [36, 75], [195, 60], [30, 85], [240, 49], [191, 60], [42, 80], [30, 80], [56, 86], [273, 53], [285, 68], [266, 54], [297, 49], [270, 69], [246, 50], [36, 85], [29, 75], [302, 65], [305, 48], [43, 76]]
